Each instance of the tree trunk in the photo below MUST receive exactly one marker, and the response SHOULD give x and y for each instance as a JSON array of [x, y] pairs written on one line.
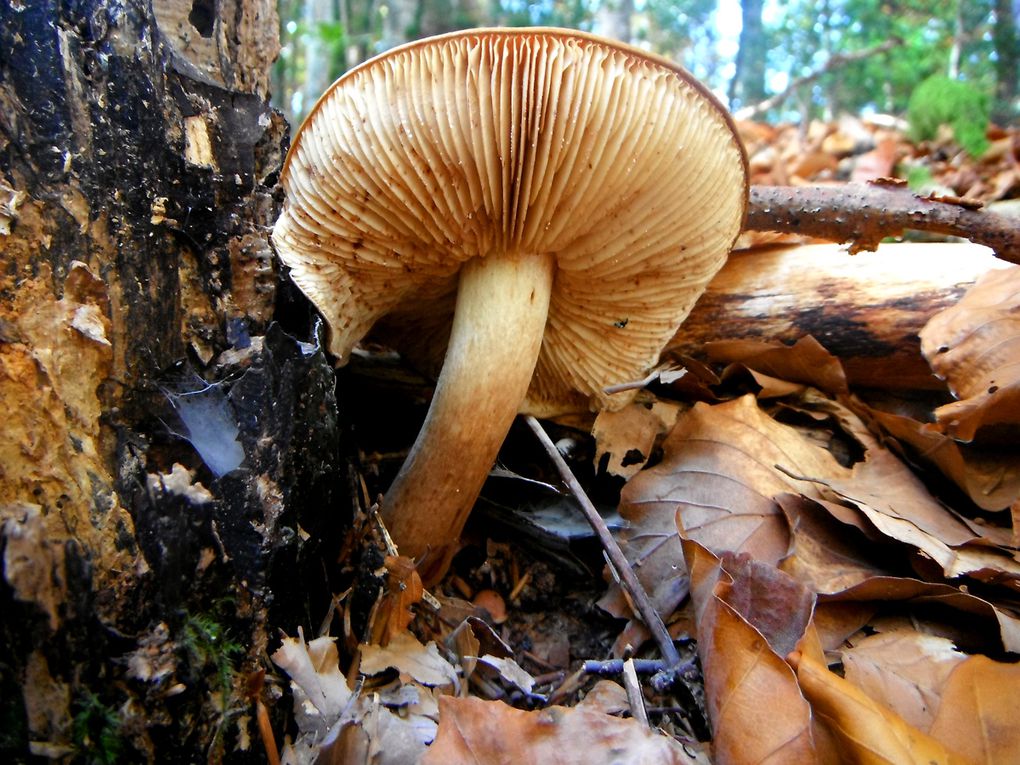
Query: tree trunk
[[318, 14], [1007, 62], [614, 19], [159, 432], [748, 84]]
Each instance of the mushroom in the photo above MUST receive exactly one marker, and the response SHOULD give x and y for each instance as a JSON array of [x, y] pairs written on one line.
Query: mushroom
[[566, 197]]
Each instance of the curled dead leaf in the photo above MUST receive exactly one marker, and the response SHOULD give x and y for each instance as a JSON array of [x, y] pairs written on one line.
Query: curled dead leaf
[[975, 347], [743, 616]]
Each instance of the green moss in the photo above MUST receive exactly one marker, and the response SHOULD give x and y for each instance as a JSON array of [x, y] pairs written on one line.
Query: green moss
[[208, 646], [96, 731], [941, 101]]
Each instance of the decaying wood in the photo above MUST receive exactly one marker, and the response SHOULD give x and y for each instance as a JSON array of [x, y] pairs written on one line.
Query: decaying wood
[[867, 309], [865, 214], [138, 160]]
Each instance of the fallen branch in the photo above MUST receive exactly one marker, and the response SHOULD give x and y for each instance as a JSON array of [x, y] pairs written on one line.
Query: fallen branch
[[865, 214], [866, 309]]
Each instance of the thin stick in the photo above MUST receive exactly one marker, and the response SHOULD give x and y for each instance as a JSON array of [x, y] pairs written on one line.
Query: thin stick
[[628, 579], [634, 695]]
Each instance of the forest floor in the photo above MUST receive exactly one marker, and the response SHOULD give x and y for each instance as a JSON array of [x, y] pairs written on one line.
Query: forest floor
[[835, 558]]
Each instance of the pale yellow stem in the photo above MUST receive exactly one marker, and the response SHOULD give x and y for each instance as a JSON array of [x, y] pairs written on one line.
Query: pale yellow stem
[[502, 305]]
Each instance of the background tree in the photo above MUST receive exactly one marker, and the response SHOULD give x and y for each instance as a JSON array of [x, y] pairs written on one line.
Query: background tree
[[1007, 60], [748, 83]]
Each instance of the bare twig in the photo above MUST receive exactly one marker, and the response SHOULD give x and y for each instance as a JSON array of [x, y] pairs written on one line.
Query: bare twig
[[634, 695], [864, 214], [613, 667], [835, 61], [628, 579]]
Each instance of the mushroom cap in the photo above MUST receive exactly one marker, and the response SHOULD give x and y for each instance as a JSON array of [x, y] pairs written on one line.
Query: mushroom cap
[[501, 142]]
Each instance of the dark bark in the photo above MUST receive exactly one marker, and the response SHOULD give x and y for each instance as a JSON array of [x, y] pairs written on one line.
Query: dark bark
[[748, 84], [1007, 61], [138, 161]]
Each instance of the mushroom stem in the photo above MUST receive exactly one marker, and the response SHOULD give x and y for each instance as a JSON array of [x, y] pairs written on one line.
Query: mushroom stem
[[502, 305]]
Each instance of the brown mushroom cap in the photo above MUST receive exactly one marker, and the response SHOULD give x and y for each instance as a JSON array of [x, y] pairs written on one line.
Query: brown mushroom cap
[[509, 142]]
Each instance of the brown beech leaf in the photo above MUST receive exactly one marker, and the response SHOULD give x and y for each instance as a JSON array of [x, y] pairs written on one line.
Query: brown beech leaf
[[477, 732], [978, 711], [835, 621], [626, 437], [989, 476], [904, 669], [988, 623], [747, 613], [404, 653], [718, 475], [825, 554], [805, 362], [975, 347], [718, 471], [868, 731], [899, 505]]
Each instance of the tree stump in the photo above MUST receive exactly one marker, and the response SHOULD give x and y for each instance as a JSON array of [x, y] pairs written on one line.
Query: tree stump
[[162, 438]]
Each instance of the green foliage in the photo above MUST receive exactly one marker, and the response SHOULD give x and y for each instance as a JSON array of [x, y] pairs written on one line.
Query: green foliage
[[942, 101], [209, 647], [95, 730], [801, 36], [919, 177]]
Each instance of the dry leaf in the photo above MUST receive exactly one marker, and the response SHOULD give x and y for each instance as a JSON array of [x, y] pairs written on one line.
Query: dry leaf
[[978, 712], [991, 477], [320, 690], [509, 670], [825, 554], [409, 657], [868, 732], [403, 589], [757, 711], [608, 697], [877, 163], [806, 362], [626, 437], [719, 473], [905, 670], [975, 347], [477, 732], [985, 620], [326, 711], [899, 505]]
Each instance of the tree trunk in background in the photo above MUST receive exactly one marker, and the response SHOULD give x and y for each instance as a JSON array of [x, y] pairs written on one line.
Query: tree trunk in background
[[614, 20], [956, 49], [316, 13], [748, 85], [436, 17], [1007, 64], [159, 431]]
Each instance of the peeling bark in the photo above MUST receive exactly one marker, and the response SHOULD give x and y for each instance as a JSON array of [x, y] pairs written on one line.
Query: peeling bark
[[138, 162]]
